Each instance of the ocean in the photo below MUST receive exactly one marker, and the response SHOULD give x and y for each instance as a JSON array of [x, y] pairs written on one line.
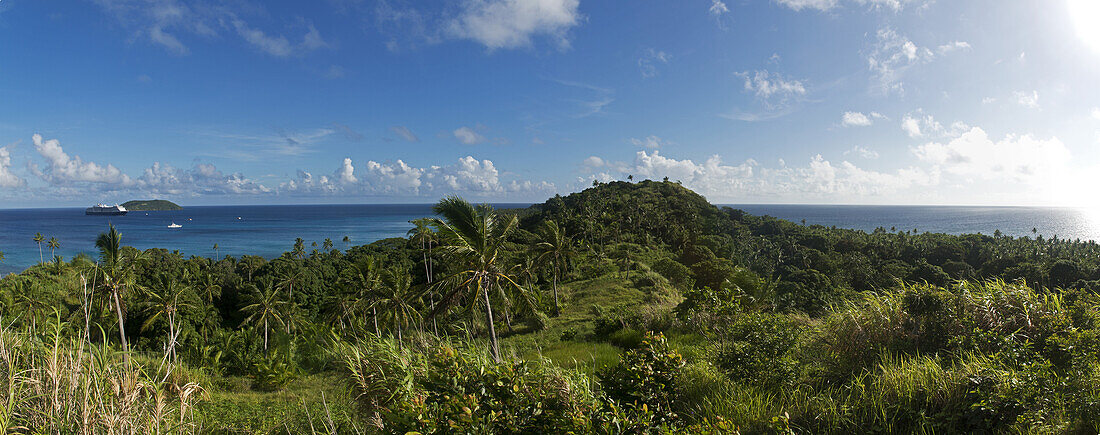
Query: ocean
[[269, 231]]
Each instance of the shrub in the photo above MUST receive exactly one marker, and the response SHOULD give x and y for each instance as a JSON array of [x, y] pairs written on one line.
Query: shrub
[[646, 379], [677, 274]]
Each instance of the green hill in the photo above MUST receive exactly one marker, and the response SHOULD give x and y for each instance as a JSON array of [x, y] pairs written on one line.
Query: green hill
[[151, 205]]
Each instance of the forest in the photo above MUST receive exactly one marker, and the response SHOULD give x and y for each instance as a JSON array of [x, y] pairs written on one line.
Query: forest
[[627, 308]]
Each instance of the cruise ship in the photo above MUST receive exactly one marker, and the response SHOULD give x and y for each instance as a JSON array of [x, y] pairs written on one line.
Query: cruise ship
[[106, 210]]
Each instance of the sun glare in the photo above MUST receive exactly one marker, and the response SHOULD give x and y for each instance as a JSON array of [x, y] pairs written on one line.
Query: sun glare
[[1086, 15]]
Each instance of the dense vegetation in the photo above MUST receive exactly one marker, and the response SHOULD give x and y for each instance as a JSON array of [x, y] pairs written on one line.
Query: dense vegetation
[[151, 205], [625, 308]]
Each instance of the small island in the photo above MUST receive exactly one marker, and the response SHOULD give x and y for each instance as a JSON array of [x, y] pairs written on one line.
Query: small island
[[151, 205]]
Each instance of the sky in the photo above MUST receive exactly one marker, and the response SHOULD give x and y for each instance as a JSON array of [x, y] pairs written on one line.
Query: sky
[[982, 102]]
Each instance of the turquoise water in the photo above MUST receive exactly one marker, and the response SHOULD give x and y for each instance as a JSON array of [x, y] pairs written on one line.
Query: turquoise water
[[270, 230]]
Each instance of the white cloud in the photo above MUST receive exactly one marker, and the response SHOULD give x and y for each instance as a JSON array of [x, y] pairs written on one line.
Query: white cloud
[[919, 124], [1015, 158], [592, 162], [890, 56], [201, 179], [769, 86], [166, 22], [279, 46], [1029, 100], [7, 177], [1095, 113], [63, 169], [467, 136], [954, 46], [819, 179], [466, 176], [649, 142], [717, 8], [858, 119], [989, 100], [649, 60], [862, 152], [404, 133], [798, 5], [513, 23], [825, 5]]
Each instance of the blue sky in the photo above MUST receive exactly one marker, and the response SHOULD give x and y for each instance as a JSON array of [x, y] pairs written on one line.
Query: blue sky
[[347, 101]]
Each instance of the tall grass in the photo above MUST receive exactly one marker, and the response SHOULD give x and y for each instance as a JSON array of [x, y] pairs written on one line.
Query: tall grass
[[56, 383]]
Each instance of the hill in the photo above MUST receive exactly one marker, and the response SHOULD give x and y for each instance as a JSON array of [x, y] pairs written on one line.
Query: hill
[[151, 205]]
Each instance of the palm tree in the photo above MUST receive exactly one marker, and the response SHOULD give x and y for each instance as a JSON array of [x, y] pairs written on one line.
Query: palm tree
[[422, 233], [474, 237], [554, 249], [53, 244], [327, 245], [264, 307], [215, 251], [287, 281], [165, 303], [1, 255], [347, 241], [208, 288], [366, 279], [118, 276], [38, 238], [398, 300], [299, 251]]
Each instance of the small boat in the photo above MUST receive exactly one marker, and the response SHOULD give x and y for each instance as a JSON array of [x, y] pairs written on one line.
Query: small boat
[[238, 218], [175, 225]]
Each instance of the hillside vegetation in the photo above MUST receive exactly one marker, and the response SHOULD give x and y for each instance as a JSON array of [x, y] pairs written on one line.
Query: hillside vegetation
[[151, 205], [624, 308]]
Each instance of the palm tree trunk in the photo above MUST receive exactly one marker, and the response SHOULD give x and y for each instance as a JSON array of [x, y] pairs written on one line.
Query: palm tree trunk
[[398, 324], [493, 345], [374, 312], [265, 336], [121, 327], [435, 328], [557, 308]]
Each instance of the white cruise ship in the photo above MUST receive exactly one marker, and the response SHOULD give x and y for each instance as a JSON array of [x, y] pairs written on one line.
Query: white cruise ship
[[106, 210]]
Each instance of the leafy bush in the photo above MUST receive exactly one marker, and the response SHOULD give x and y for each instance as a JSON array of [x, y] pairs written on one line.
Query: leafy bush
[[646, 379]]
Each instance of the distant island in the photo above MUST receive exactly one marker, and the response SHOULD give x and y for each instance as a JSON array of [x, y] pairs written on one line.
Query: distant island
[[151, 205]]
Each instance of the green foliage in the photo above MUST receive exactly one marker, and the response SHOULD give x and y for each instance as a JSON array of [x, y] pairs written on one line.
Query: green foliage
[[646, 379]]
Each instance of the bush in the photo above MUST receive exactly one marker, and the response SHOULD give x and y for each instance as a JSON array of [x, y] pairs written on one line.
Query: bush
[[677, 274], [646, 379]]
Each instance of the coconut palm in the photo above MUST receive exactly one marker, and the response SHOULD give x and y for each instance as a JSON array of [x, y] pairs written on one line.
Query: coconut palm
[[554, 249], [299, 251], [38, 238], [264, 307], [347, 241], [398, 300], [473, 238], [365, 279], [117, 276], [163, 302], [327, 245], [215, 251], [423, 234], [53, 244]]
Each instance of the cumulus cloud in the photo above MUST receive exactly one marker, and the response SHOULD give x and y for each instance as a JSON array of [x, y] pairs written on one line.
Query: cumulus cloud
[[862, 152], [858, 119], [468, 136], [919, 124], [818, 179], [500, 24], [1095, 113], [798, 5], [1013, 158], [649, 142], [7, 177], [201, 179], [772, 88], [63, 169], [468, 175], [718, 8], [649, 61], [892, 54], [1029, 100], [404, 133], [825, 5]]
